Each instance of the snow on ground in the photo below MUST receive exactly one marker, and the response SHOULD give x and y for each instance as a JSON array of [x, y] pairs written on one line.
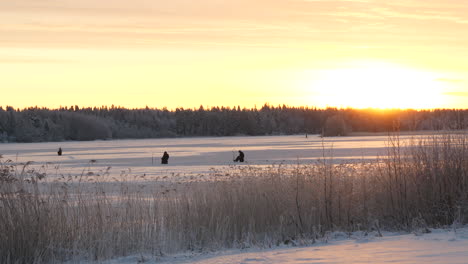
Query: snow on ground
[[440, 246], [200, 155], [190, 155]]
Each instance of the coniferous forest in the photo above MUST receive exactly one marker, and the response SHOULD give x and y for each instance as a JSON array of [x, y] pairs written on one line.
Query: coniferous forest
[[36, 124]]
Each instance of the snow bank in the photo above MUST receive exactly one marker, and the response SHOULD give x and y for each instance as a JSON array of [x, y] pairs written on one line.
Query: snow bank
[[440, 246]]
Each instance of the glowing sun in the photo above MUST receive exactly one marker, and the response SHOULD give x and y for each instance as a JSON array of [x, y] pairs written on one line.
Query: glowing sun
[[378, 85]]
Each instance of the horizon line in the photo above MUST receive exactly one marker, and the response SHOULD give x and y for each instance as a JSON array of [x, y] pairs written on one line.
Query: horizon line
[[207, 107]]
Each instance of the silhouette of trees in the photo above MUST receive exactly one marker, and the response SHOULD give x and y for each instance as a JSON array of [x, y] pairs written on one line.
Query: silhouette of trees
[[35, 124]]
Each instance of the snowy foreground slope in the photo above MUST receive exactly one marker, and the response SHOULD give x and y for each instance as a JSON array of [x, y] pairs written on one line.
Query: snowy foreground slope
[[440, 246]]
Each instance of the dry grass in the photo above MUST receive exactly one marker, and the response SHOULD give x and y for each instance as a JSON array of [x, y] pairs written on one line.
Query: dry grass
[[414, 187]]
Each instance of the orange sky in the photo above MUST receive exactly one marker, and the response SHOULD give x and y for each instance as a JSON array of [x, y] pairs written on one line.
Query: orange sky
[[359, 53]]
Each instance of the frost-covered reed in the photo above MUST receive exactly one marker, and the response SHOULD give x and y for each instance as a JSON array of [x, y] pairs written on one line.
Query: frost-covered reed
[[414, 187]]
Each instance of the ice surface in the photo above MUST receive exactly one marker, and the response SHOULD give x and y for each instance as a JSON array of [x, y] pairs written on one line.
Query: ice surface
[[192, 155]]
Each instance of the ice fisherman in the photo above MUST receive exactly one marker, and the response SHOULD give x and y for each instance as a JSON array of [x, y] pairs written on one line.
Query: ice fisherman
[[165, 158], [59, 152], [240, 158]]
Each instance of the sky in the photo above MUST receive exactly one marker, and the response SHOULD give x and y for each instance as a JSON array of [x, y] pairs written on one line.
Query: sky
[[185, 53]]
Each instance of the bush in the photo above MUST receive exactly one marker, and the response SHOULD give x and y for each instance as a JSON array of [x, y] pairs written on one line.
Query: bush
[[335, 126]]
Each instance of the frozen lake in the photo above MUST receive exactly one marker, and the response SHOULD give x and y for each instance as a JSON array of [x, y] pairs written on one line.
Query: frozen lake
[[192, 155]]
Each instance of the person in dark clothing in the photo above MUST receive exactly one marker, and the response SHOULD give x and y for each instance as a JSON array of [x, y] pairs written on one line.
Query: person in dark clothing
[[59, 152], [165, 158], [240, 158]]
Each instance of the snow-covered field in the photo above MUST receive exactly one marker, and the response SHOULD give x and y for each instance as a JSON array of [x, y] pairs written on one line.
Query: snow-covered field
[[194, 156], [191, 155], [439, 246]]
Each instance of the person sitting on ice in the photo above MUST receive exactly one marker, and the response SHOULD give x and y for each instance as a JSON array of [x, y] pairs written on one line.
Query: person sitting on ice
[[59, 152], [165, 158], [240, 158]]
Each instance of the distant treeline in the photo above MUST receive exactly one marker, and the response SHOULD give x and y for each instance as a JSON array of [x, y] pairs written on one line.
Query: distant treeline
[[74, 123]]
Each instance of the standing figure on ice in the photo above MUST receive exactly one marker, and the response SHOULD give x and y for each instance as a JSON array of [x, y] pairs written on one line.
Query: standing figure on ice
[[59, 152], [165, 158], [240, 158]]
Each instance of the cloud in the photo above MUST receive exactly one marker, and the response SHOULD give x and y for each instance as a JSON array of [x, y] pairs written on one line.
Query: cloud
[[149, 23], [417, 10], [431, 15]]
